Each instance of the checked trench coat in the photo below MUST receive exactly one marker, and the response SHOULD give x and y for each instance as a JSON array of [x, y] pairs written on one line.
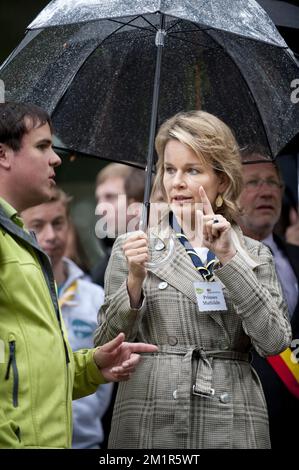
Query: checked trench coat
[[199, 391]]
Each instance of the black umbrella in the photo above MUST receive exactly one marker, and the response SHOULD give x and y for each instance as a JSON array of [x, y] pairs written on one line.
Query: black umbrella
[[96, 66]]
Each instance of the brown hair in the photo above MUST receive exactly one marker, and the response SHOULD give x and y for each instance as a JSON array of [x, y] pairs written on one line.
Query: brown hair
[[214, 143], [58, 195], [134, 185], [17, 119]]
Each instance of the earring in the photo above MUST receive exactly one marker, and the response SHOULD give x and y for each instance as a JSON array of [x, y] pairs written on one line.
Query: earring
[[219, 201]]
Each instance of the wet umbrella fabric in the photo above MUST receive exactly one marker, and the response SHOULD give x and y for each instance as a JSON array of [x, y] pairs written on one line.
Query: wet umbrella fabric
[[95, 75], [242, 17]]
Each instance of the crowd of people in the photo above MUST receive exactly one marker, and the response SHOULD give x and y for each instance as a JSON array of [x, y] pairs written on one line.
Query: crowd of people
[[201, 345]]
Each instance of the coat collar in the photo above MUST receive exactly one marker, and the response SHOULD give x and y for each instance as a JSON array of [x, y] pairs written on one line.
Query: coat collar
[[29, 238], [16, 230], [179, 271]]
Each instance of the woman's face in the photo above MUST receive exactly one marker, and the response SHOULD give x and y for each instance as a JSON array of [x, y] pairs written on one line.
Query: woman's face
[[184, 173]]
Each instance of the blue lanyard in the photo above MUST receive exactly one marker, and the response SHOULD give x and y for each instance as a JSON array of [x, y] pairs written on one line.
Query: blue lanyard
[[206, 270]]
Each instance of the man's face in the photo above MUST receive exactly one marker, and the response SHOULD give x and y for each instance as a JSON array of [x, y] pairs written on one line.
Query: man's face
[[111, 205], [260, 199], [50, 223], [32, 168]]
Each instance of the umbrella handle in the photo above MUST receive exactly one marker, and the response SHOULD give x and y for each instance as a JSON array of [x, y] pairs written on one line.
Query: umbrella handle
[[143, 223]]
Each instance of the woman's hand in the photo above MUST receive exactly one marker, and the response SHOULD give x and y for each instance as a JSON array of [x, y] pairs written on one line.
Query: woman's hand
[[216, 231], [135, 250]]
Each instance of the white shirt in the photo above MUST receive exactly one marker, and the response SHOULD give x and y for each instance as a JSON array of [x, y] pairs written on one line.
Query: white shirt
[[202, 252]]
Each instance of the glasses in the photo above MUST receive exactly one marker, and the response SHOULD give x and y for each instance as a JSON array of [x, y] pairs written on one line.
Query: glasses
[[258, 182]]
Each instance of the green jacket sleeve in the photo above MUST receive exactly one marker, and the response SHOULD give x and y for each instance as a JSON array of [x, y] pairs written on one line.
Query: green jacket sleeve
[[8, 433], [87, 375]]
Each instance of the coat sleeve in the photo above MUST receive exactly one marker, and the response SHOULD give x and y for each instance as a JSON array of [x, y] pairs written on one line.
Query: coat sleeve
[[116, 314], [87, 376], [257, 298]]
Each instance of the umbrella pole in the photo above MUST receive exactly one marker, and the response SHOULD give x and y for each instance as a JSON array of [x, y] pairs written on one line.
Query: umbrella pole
[[159, 41]]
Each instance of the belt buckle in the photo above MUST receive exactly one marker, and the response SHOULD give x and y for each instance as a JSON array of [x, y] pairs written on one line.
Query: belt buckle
[[209, 394]]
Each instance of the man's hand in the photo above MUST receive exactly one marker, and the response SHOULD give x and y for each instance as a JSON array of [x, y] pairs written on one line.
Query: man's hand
[[118, 359], [292, 232]]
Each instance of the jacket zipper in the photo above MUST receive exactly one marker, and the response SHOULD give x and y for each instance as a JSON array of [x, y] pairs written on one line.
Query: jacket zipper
[[12, 363]]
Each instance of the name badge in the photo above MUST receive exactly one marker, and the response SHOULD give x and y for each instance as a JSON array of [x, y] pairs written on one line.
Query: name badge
[[209, 296]]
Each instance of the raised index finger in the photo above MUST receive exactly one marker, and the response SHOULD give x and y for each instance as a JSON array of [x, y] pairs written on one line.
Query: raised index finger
[[143, 347], [207, 206]]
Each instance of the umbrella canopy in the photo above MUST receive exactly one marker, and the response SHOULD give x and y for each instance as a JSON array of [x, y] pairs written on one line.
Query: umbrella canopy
[[91, 65], [243, 17]]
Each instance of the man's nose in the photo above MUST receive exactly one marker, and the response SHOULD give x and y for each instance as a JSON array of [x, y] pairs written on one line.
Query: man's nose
[[55, 159], [264, 188], [49, 232]]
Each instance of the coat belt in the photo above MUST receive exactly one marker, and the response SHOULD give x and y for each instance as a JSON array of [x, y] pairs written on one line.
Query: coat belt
[[196, 378]]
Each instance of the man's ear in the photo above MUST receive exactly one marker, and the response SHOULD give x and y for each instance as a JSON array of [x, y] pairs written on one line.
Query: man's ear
[[5, 156]]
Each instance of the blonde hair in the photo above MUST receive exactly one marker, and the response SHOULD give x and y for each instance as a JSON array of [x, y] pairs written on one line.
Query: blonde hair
[[113, 170], [213, 143]]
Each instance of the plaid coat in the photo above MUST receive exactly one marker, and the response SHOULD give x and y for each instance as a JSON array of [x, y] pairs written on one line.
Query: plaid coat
[[199, 390]]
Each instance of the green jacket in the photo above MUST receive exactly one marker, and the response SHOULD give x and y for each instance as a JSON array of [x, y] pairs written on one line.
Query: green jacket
[[39, 373]]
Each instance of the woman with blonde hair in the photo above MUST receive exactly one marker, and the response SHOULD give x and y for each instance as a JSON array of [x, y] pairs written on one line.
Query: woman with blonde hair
[[214, 300]]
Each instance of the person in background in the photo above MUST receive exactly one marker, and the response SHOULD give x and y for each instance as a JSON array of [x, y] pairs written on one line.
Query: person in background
[[39, 372], [292, 230], [205, 307], [260, 202], [119, 194], [79, 301], [110, 199], [288, 224], [132, 188], [75, 251], [134, 191]]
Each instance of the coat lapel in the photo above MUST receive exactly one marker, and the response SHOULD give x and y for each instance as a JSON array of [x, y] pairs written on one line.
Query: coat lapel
[[180, 273]]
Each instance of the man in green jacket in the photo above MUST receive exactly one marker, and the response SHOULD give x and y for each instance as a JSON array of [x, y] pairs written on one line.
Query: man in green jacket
[[39, 373]]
